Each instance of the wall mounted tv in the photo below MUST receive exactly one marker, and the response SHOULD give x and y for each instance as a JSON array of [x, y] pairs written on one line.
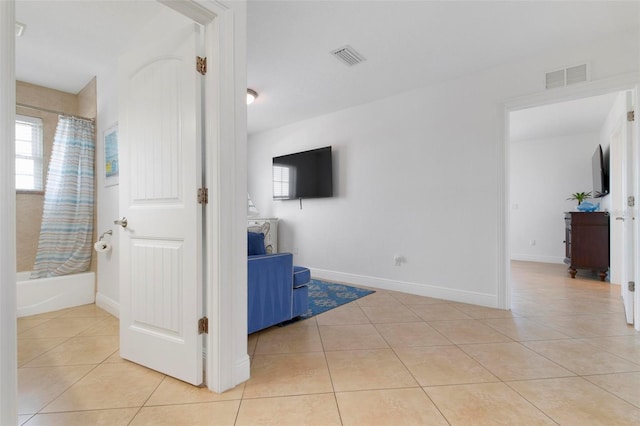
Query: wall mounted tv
[[307, 174], [600, 172]]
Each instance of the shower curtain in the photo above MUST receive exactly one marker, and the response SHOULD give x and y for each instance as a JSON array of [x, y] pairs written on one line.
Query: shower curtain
[[67, 220]]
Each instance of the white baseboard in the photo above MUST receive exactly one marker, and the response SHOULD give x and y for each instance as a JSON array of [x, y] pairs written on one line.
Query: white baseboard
[[534, 258], [464, 296], [242, 370], [241, 373], [108, 304]]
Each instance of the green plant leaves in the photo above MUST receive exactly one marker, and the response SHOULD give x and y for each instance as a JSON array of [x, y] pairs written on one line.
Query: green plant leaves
[[580, 196]]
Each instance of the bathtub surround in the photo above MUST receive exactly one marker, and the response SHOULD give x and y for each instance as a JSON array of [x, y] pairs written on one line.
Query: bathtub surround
[[51, 294], [29, 205]]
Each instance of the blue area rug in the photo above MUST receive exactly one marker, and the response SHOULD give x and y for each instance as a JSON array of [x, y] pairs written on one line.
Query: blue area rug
[[324, 296]]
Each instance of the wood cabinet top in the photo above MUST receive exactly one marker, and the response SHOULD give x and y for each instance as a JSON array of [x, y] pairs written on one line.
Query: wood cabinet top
[[588, 218]]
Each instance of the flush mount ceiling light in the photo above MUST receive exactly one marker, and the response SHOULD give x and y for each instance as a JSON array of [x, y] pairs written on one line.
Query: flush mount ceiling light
[[251, 96], [20, 28]]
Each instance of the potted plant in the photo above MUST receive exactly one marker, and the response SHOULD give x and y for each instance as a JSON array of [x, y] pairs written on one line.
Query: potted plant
[[580, 196]]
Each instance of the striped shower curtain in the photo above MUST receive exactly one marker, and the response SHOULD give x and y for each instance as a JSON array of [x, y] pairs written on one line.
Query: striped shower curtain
[[67, 220]]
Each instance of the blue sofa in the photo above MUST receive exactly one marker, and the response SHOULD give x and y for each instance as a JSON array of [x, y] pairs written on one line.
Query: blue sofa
[[277, 291]]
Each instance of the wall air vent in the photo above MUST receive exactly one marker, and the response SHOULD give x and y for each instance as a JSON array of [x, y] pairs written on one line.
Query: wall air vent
[[554, 79], [577, 74], [348, 56], [567, 76]]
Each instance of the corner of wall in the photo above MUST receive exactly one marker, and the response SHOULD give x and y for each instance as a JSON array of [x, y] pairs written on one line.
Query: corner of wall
[[107, 197], [108, 304]]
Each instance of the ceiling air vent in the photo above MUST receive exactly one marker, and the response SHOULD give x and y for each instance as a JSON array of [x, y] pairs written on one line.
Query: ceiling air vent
[[348, 56], [567, 76]]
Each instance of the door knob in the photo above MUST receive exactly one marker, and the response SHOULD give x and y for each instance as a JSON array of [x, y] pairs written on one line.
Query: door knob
[[620, 218], [122, 222]]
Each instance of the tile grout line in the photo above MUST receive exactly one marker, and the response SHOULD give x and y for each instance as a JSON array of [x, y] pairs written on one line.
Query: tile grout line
[[531, 402], [607, 390], [70, 385], [326, 361], [139, 409]]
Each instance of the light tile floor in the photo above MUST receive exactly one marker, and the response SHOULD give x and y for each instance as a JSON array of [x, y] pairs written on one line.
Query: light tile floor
[[563, 355]]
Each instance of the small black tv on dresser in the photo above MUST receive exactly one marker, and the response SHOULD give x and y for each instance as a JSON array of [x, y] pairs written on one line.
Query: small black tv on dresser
[[307, 174]]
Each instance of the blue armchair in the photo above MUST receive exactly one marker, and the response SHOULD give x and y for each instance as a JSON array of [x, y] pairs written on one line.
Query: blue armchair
[[277, 291]]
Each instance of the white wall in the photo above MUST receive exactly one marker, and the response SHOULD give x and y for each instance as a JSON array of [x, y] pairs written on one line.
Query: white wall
[[544, 173], [417, 175], [108, 293]]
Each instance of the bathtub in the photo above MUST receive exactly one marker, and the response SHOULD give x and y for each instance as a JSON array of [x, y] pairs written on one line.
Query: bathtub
[[50, 294]]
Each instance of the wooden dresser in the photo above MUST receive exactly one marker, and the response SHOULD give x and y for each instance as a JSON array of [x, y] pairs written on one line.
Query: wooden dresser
[[587, 242]]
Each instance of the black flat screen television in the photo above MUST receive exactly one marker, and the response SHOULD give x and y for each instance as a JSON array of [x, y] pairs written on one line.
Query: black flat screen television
[[307, 174], [600, 173]]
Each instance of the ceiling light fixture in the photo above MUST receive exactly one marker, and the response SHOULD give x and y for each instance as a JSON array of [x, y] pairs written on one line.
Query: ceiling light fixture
[[20, 29], [251, 96]]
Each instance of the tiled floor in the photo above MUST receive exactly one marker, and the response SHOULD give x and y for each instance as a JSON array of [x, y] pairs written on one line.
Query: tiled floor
[[563, 355]]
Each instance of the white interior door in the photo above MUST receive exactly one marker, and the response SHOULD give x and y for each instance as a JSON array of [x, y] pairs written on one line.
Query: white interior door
[[628, 215], [633, 308], [161, 247]]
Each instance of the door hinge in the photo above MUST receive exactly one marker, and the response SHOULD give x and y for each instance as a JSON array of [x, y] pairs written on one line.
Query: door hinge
[[201, 65], [203, 325], [631, 116], [203, 195], [632, 286], [631, 201]]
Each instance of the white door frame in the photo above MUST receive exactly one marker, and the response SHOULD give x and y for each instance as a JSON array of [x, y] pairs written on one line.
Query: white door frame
[[227, 363], [630, 81], [8, 332], [617, 189], [225, 278]]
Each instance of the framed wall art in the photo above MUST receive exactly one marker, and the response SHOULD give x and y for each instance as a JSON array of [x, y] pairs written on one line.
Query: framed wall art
[[111, 163]]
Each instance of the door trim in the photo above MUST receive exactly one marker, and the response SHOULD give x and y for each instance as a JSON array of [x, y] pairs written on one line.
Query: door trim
[[8, 328], [227, 362], [225, 275], [635, 130], [225, 142], [629, 81]]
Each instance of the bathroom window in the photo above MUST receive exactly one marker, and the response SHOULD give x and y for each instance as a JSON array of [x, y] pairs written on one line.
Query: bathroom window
[[29, 154]]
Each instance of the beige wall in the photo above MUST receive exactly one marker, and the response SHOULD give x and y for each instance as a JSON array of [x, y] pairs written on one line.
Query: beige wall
[[88, 107], [29, 204], [87, 104]]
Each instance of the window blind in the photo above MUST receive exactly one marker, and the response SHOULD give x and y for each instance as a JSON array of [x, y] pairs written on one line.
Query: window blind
[[29, 154]]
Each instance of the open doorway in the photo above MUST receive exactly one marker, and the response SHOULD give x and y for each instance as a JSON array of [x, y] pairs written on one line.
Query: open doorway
[[228, 363], [552, 148]]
